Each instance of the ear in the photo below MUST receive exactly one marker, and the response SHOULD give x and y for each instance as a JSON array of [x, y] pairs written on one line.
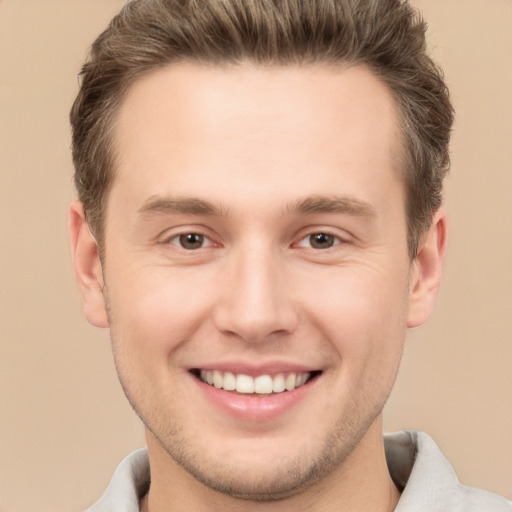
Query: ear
[[426, 271], [87, 265]]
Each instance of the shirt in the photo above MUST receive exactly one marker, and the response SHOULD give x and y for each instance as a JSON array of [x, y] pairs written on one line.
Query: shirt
[[417, 466]]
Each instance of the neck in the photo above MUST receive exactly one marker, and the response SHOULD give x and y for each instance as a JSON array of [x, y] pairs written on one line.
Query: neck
[[361, 483]]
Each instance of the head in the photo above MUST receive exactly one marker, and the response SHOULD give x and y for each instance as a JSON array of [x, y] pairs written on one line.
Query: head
[[263, 182], [387, 36]]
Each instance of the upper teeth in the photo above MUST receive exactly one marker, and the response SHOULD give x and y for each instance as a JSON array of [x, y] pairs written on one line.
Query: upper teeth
[[263, 384]]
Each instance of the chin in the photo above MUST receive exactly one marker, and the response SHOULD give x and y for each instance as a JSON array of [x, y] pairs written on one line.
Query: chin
[[277, 475], [266, 484]]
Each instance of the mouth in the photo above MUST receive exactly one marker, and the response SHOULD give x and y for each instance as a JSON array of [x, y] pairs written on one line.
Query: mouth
[[260, 385]]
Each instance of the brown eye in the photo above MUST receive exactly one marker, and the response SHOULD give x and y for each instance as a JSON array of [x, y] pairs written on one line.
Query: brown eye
[[191, 241], [321, 240]]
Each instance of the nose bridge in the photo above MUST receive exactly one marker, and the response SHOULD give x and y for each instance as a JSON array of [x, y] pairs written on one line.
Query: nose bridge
[[255, 301]]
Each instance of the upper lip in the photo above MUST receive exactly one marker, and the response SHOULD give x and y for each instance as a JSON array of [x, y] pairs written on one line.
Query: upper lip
[[255, 369]]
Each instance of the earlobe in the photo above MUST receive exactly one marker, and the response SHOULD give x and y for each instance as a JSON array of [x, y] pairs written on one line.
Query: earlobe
[[426, 271], [87, 266]]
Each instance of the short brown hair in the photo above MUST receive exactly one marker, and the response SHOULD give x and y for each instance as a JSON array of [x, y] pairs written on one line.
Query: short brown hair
[[388, 36]]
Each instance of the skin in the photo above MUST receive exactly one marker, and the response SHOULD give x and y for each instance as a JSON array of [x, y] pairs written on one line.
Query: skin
[[278, 155]]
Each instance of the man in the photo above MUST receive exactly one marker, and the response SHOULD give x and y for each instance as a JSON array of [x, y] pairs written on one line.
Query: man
[[259, 222]]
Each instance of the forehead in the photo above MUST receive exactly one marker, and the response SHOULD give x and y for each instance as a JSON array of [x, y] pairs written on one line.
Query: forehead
[[206, 124]]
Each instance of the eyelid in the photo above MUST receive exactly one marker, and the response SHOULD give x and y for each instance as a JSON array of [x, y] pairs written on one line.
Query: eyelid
[[340, 238], [302, 241], [174, 240], [169, 236]]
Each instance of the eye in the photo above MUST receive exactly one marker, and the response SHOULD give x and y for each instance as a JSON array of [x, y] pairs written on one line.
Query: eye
[[319, 241], [190, 241]]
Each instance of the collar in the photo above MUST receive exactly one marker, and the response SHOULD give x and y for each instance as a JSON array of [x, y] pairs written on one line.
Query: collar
[[416, 464]]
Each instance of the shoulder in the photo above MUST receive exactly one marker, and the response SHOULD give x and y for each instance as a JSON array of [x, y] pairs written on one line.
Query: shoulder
[[428, 481], [128, 485]]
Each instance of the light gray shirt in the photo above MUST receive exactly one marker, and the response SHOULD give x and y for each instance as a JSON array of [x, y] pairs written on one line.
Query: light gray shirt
[[416, 464]]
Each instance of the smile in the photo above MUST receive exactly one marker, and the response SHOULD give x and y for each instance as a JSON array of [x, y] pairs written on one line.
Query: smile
[[259, 385]]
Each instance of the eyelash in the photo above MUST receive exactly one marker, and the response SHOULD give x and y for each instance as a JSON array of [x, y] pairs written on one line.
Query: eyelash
[[180, 238], [336, 240]]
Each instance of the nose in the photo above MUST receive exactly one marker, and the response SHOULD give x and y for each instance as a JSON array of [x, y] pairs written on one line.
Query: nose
[[255, 302]]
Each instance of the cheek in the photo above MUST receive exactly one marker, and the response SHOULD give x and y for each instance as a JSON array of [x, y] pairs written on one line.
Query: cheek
[[154, 312], [364, 313], [152, 318]]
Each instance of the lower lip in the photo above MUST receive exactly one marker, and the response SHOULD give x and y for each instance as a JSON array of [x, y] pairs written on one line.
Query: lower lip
[[250, 408]]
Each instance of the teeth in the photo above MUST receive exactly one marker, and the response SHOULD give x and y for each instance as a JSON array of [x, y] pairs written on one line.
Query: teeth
[[218, 379], [244, 384], [229, 383], [278, 384], [290, 382], [261, 385]]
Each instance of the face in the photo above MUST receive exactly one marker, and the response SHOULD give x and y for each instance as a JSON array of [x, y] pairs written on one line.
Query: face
[[256, 269]]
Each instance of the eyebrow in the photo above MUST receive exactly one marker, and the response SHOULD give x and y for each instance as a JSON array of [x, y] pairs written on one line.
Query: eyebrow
[[183, 205], [333, 204], [336, 204]]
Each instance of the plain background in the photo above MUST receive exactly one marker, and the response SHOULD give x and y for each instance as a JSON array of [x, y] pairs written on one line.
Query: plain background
[[64, 422]]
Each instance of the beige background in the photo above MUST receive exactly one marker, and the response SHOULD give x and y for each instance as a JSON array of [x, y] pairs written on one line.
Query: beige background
[[64, 423]]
